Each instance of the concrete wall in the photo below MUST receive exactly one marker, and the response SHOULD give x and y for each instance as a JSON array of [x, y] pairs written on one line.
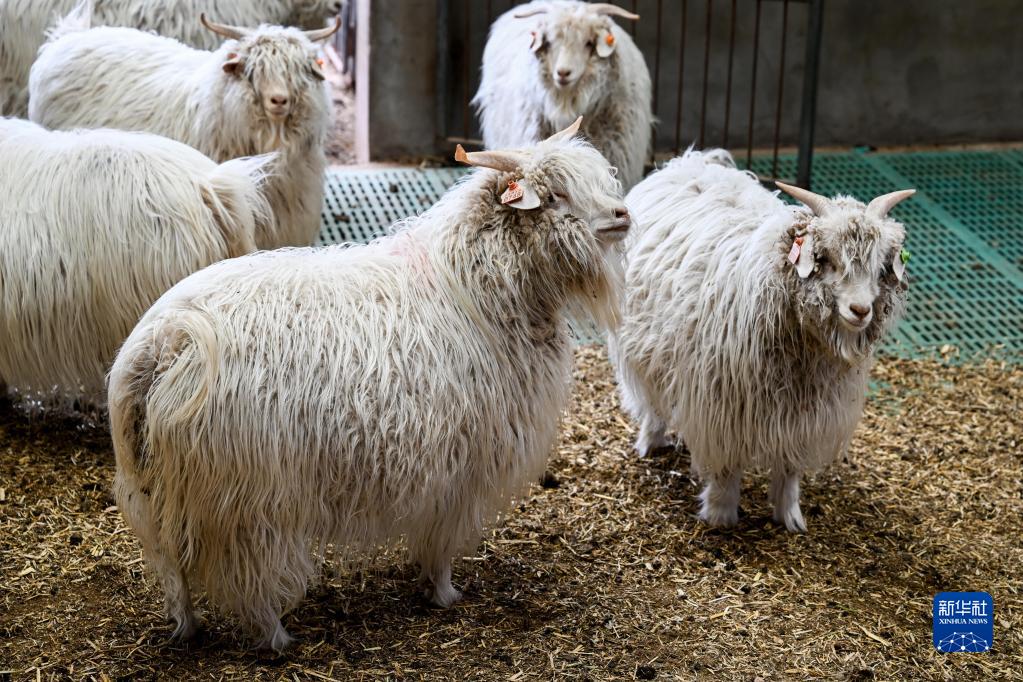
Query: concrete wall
[[893, 72]]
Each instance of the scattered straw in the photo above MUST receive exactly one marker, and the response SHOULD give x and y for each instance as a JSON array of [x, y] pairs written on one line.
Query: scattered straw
[[602, 573]]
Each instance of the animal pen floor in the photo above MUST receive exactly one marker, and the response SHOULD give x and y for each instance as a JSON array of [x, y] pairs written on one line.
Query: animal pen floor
[[603, 571]]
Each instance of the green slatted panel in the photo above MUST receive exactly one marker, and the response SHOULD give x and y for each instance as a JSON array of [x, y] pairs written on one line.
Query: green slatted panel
[[965, 230]]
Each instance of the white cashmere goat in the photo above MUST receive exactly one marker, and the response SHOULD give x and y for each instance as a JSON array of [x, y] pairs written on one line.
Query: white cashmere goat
[[402, 390], [753, 360], [94, 227], [23, 24], [546, 63], [262, 91]]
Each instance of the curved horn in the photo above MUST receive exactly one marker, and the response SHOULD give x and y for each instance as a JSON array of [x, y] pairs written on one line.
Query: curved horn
[[530, 13], [502, 161], [879, 206], [322, 33], [231, 32], [567, 133], [818, 204], [612, 10]]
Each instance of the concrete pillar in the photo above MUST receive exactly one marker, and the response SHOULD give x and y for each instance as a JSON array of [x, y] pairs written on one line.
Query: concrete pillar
[[396, 73]]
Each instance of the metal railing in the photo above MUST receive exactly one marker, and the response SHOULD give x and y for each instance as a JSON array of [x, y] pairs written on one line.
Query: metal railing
[[721, 70]]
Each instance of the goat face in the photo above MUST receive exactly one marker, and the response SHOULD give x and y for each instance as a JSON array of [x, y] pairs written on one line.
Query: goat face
[[848, 265], [313, 13]]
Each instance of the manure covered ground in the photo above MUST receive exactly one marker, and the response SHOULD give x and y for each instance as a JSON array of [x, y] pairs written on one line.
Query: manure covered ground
[[602, 573]]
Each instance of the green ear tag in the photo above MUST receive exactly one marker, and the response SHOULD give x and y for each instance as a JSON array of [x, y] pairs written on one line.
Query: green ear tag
[[904, 256]]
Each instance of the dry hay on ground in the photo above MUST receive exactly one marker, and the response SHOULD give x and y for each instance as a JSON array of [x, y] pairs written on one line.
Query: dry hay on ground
[[604, 575]]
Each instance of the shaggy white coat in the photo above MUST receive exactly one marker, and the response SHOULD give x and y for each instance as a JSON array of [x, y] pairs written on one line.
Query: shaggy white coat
[[131, 80], [23, 25], [723, 343], [362, 395], [94, 227], [519, 101]]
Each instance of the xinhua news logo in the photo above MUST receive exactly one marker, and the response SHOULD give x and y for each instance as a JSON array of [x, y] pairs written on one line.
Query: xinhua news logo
[[963, 622]]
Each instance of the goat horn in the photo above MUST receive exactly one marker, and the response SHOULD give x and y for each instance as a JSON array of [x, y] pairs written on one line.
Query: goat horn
[[567, 133], [502, 161], [530, 13], [231, 32], [818, 204], [880, 206], [613, 10], [326, 32]]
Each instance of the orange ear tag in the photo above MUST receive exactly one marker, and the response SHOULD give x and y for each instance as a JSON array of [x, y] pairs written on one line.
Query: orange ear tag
[[609, 39], [319, 62], [513, 193]]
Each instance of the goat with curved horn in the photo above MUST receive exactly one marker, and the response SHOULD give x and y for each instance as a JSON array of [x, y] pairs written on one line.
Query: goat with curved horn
[[879, 206], [323, 33], [230, 32], [612, 10], [817, 203], [498, 160]]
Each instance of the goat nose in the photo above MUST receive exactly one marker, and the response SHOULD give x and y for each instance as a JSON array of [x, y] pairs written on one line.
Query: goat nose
[[859, 311], [279, 100], [564, 73], [622, 213]]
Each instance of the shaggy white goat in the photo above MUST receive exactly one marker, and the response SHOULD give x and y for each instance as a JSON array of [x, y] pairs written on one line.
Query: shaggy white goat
[[94, 227], [262, 91], [748, 325], [23, 25], [547, 62], [362, 395]]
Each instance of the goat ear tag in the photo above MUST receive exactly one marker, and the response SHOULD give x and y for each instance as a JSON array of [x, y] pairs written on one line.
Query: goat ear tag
[[520, 194], [797, 244], [899, 264], [605, 43], [804, 259]]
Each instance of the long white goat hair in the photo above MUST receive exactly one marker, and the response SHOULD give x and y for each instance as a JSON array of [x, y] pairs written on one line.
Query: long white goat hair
[[24, 24], [94, 227], [402, 390], [519, 102], [167, 88], [724, 343]]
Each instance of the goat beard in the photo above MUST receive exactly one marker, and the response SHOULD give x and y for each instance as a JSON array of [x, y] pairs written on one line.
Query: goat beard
[[564, 105], [272, 135]]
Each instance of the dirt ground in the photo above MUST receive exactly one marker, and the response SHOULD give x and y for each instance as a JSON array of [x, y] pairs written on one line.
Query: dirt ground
[[602, 573], [340, 145]]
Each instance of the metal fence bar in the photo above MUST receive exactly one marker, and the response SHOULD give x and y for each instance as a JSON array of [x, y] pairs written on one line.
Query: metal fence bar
[[753, 88], [808, 114], [781, 87], [706, 70], [681, 77], [657, 56], [728, 83]]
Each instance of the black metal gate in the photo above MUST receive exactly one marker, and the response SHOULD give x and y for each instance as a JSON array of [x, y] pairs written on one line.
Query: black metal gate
[[725, 72]]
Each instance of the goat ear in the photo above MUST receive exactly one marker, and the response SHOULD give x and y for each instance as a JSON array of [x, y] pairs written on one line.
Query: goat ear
[[520, 194], [317, 69], [899, 263], [537, 41], [801, 255], [233, 65], [605, 43]]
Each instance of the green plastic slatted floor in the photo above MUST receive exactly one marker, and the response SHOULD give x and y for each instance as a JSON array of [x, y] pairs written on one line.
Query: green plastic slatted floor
[[965, 231]]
